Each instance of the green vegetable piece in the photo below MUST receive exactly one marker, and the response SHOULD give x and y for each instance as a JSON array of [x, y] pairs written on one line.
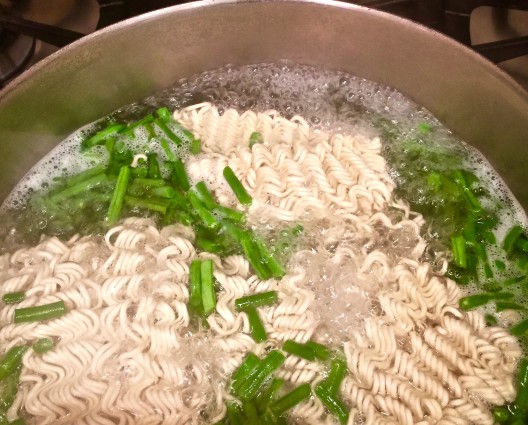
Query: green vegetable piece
[[153, 166], [501, 414], [118, 197], [258, 332], [168, 132], [165, 192], [10, 389], [508, 305], [205, 195], [196, 146], [262, 371], [473, 301], [207, 218], [148, 119], [515, 280], [79, 188], [424, 128], [168, 151], [255, 138], [244, 370], [13, 297], [256, 300], [338, 370], [521, 244], [41, 312], [236, 186], [491, 320], [230, 213], [208, 289], [321, 352], [179, 175], [500, 265], [519, 328], [290, 400], [156, 205], [164, 114], [234, 414], [253, 255], [332, 403], [511, 237], [100, 137], [458, 248], [11, 360], [267, 395], [195, 286], [299, 350], [250, 412], [43, 345], [85, 175], [276, 269]]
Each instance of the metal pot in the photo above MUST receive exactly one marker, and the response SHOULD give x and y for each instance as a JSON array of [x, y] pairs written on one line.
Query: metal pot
[[140, 56]]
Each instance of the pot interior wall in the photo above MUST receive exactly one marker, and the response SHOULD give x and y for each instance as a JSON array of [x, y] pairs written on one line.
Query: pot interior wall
[[139, 57]]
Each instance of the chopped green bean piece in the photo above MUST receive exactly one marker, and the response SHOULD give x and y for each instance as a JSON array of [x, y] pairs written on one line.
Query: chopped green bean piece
[[165, 192], [521, 244], [253, 256], [256, 300], [332, 403], [208, 289], [205, 215], [501, 414], [511, 237], [195, 286], [236, 186], [255, 138], [205, 195], [230, 213], [100, 137], [244, 370], [164, 114], [501, 266], [149, 119], [43, 345], [168, 151], [458, 248], [519, 328], [156, 205], [118, 197], [258, 332], [262, 371], [321, 352], [196, 146], [508, 305], [338, 370], [80, 187], [168, 132], [276, 269], [41, 312], [234, 414], [11, 360], [473, 301], [85, 175], [299, 350], [179, 175], [13, 297], [250, 412], [153, 166], [491, 320], [290, 400], [267, 395], [10, 389]]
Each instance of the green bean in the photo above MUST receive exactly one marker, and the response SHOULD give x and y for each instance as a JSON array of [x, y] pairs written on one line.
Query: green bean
[[85, 175], [118, 197], [230, 213], [205, 195], [165, 192], [11, 360], [473, 301], [267, 395], [196, 146], [164, 114], [236, 186], [157, 205], [41, 312], [148, 119], [299, 350], [258, 332], [256, 300], [13, 297], [250, 411], [168, 132], [508, 305], [43, 345], [195, 286], [249, 363], [253, 256], [519, 328], [168, 151], [208, 290], [458, 248], [321, 352], [234, 414], [501, 414], [80, 187], [338, 370], [99, 137], [332, 403], [179, 175], [255, 138], [276, 269], [521, 244], [10, 389], [262, 371], [205, 215], [290, 400], [511, 237]]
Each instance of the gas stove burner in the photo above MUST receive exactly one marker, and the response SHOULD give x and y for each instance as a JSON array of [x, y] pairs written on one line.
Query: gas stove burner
[[15, 52]]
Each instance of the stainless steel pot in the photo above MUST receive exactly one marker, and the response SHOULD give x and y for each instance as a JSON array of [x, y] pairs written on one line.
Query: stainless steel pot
[[140, 56]]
